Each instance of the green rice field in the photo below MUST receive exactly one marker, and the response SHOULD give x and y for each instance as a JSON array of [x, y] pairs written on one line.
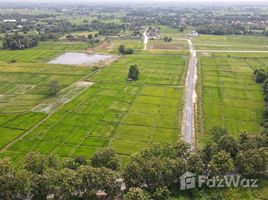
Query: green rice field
[[230, 97], [127, 116]]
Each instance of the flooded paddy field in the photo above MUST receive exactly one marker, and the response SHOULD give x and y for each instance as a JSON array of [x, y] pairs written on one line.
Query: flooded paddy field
[[71, 58]]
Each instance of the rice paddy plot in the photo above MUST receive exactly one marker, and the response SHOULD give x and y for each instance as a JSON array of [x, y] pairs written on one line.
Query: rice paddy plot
[[230, 97], [164, 69]]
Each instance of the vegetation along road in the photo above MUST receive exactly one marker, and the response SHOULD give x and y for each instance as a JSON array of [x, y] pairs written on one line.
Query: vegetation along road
[[188, 129]]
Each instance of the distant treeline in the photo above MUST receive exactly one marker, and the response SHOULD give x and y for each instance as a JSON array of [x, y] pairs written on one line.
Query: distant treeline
[[22, 41], [17, 41], [227, 29]]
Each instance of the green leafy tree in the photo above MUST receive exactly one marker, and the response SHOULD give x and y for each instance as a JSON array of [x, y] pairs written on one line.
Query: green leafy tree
[[68, 183], [136, 194], [247, 141], [133, 73], [207, 153], [260, 75], [221, 163], [94, 179], [54, 87], [6, 179], [195, 164], [228, 144], [22, 185], [90, 36], [252, 161], [105, 158], [122, 49], [217, 132], [35, 162], [81, 160], [157, 166], [162, 193]]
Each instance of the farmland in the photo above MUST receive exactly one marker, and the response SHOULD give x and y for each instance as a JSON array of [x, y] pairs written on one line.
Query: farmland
[[112, 112], [24, 84], [133, 100], [229, 96]]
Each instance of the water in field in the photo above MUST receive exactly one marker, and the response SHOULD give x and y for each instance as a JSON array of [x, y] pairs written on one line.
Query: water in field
[[79, 58]]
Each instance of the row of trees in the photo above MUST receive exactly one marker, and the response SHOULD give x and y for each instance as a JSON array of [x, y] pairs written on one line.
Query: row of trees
[[152, 173], [261, 77], [124, 51], [17, 41]]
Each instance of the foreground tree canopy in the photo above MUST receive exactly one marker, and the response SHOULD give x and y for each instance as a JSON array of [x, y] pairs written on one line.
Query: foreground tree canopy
[[151, 174]]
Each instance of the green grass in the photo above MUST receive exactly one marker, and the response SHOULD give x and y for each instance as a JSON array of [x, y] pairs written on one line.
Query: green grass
[[231, 42], [25, 84], [127, 116], [230, 97]]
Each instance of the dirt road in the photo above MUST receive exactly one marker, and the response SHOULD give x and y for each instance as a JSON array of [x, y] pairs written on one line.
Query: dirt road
[[146, 39], [188, 129]]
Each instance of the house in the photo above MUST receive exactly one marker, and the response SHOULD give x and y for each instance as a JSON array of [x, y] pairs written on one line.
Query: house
[[194, 33], [10, 20]]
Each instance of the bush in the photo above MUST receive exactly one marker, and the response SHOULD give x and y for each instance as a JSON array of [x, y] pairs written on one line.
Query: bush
[[122, 50], [13, 61]]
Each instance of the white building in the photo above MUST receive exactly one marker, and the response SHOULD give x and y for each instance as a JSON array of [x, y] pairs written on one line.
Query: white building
[[194, 33], [10, 20]]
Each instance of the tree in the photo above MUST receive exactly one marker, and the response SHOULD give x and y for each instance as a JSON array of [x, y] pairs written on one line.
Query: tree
[[135, 194], [122, 49], [35, 162], [161, 194], [228, 144], [18, 41], [54, 87], [94, 179], [44, 184], [221, 163], [167, 39], [195, 164], [247, 141], [260, 75], [217, 132], [90, 37], [22, 184], [157, 166], [105, 158], [129, 51], [207, 153], [133, 73], [69, 37], [68, 183], [81, 160], [252, 161]]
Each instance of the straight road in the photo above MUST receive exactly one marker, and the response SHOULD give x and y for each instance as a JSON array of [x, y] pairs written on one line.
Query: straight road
[[146, 39], [188, 129]]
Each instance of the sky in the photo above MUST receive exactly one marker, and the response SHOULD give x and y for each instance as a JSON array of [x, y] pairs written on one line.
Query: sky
[[211, 2], [114, 1]]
